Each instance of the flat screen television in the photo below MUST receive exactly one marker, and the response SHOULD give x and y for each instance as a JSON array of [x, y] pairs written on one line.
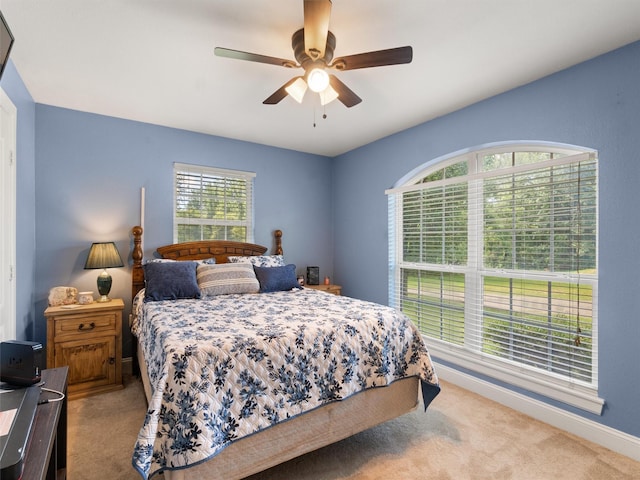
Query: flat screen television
[[6, 42]]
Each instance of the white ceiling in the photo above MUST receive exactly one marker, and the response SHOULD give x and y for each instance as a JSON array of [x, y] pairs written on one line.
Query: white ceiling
[[153, 61]]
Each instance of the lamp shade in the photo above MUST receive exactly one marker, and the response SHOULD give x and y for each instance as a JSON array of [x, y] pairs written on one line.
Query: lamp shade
[[103, 255], [328, 95], [297, 89]]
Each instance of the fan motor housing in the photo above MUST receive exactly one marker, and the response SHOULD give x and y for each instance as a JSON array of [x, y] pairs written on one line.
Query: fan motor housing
[[297, 42]]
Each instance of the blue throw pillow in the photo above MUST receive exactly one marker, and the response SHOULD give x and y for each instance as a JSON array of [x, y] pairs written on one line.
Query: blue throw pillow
[[276, 279], [170, 281]]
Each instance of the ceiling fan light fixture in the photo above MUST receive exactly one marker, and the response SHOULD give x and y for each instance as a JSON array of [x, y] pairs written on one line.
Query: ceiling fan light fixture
[[297, 89], [328, 95], [318, 80], [313, 47]]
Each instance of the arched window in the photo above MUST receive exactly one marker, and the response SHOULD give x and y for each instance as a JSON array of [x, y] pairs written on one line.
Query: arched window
[[493, 254]]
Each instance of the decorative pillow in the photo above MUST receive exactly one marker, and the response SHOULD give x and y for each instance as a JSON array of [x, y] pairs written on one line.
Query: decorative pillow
[[158, 260], [275, 279], [226, 278], [260, 260], [170, 281], [206, 261]]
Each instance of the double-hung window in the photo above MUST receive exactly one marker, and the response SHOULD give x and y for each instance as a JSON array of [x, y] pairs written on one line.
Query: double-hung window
[[212, 204], [493, 254]]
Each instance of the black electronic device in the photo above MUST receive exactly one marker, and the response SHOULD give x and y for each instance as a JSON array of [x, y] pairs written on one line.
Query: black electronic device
[[6, 42], [17, 411], [21, 362], [313, 276]]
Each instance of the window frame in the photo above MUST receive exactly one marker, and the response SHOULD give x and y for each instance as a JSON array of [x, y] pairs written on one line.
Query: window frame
[[583, 395], [215, 172]]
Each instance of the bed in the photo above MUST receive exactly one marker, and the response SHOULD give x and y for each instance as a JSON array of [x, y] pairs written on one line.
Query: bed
[[252, 371]]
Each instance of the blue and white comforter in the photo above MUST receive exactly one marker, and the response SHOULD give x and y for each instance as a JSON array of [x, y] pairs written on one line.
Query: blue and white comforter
[[225, 367]]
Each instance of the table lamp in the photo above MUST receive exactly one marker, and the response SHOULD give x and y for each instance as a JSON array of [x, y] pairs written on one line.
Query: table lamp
[[103, 255]]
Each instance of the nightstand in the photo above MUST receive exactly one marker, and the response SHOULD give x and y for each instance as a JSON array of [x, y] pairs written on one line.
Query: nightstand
[[87, 338], [335, 289]]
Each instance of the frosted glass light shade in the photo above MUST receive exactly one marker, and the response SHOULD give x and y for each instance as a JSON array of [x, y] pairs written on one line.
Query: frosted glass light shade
[[328, 95], [297, 89], [318, 80]]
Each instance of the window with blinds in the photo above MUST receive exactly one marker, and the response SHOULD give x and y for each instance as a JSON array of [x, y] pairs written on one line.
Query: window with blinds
[[212, 204], [494, 256]]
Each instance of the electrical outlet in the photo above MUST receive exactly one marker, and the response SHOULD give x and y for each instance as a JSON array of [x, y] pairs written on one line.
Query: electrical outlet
[[15, 361]]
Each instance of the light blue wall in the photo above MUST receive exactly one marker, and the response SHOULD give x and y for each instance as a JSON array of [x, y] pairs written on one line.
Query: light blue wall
[[595, 104], [89, 172], [13, 86]]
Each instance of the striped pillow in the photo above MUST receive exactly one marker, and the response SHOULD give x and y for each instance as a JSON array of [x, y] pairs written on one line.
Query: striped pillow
[[226, 278]]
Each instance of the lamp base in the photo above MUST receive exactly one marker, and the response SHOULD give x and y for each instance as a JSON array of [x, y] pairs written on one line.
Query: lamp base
[[104, 286]]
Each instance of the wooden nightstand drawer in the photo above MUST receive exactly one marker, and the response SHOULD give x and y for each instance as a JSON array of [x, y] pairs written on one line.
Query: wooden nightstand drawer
[[74, 325]]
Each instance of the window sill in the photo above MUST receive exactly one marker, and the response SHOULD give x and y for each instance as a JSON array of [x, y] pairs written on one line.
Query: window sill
[[580, 396]]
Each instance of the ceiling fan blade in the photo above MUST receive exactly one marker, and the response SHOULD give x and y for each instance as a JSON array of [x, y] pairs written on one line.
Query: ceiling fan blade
[[345, 94], [316, 27], [254, 57], [279, 94], [379, 58]]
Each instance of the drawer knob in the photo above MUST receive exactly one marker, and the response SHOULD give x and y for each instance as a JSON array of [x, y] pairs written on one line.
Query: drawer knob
[[85, 328]]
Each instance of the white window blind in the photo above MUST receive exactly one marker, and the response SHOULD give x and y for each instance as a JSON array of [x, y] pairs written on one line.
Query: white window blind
[[494, 257], [212, 204]]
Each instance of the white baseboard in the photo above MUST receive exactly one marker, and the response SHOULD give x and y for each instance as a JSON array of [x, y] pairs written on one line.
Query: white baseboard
[[607, 437]]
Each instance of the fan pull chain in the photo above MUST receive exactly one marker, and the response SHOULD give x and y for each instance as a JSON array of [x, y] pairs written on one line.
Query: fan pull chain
[[324, 114]]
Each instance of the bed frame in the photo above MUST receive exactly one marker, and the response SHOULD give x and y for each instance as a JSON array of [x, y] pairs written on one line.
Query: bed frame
[[221, 250], [292, 438]]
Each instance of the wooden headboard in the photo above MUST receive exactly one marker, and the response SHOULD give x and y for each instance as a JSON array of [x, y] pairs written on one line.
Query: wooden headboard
[[218, 249]]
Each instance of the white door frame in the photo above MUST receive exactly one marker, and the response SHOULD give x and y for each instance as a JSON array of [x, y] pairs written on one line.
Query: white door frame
[[8, 119]]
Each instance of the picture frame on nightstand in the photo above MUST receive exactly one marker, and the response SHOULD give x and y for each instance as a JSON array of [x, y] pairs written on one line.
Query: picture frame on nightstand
[[313, 275]]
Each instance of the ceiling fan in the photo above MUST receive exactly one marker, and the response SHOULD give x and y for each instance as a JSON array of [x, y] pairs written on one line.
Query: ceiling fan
[[313, 48]]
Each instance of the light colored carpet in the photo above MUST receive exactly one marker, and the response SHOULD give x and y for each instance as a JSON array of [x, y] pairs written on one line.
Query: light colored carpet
[[461, 436]]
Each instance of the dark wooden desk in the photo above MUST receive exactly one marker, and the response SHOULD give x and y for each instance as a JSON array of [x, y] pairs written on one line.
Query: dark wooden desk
[[46, 457]]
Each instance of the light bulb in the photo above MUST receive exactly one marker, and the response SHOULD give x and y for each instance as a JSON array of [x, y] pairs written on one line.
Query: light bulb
[[318, 80]]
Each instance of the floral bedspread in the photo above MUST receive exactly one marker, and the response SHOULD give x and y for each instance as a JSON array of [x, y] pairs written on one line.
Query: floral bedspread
[[225, 367]]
